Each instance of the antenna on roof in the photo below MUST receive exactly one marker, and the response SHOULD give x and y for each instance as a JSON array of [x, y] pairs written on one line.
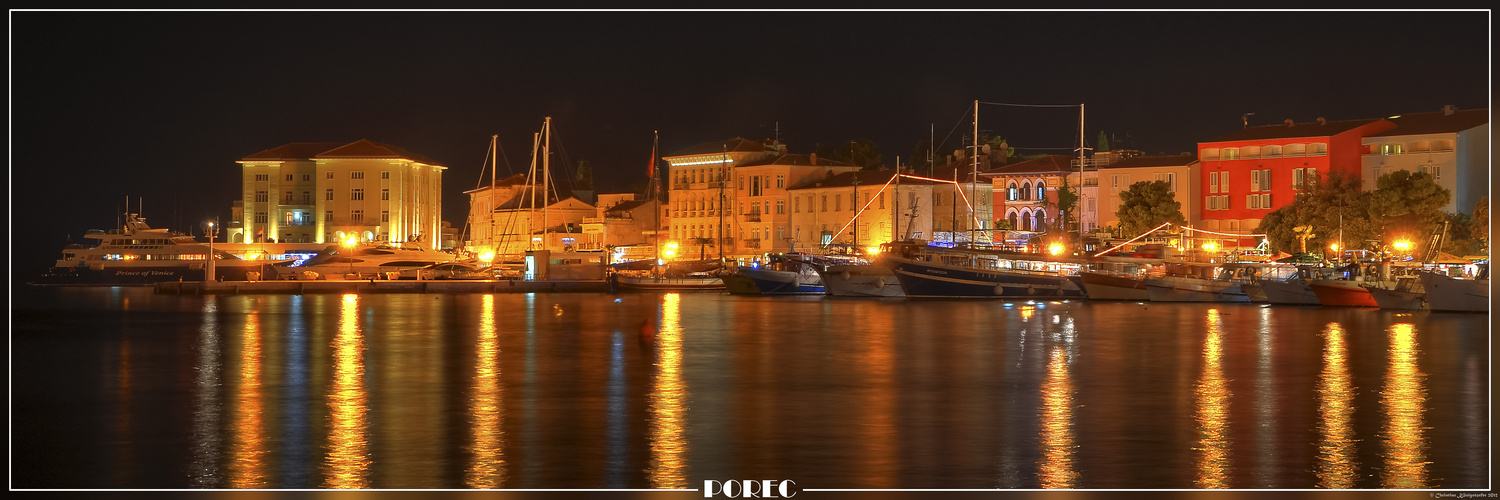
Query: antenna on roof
[[1245, 120]]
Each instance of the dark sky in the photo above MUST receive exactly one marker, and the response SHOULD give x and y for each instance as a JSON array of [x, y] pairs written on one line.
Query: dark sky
[[159, 105]]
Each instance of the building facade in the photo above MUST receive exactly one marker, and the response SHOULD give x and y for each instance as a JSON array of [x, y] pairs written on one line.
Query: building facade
[[859, 209], [330, 192], [625, 225], [1178, 171], [1452, 145], [731, 196], [1247, 174], [1026, 193]]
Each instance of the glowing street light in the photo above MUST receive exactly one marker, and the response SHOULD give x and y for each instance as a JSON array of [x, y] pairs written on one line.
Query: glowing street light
[[1055, 249], [349, 244], [209, 269], [1210, 246], [1401, 245]]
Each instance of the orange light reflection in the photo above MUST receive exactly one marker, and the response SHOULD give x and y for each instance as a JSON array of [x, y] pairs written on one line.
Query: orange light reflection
[[487, 471], [347, 463], [1055, 470], [1404, 397], [1212, 395], [666, 405], [1337, 464], [247, 458]]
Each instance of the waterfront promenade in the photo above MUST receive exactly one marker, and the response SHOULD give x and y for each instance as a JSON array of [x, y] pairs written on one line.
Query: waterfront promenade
[[379, 286]]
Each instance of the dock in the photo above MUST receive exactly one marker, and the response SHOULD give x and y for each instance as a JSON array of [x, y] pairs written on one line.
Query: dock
[[301, 287]]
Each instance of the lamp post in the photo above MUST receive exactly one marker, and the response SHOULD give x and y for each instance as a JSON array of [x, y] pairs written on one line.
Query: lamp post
[[209, 267], [349, 246]]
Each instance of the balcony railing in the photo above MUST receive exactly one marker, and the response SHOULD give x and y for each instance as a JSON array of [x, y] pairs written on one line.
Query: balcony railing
[[752, 217], [752, 243]]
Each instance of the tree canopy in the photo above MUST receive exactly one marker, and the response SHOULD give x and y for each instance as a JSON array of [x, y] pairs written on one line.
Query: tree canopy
[[1334, 208], [862, 152], [1103, 145], [1148, 204], [1481, 223], [1409, 206]]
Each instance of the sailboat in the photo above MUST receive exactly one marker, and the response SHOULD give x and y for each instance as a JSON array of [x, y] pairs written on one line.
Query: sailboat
[[669, 277]]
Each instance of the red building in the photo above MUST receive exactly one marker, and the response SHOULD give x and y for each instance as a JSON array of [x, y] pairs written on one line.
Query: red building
[[1247, 174]]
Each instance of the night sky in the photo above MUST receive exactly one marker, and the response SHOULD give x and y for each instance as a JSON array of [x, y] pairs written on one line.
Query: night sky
[[159, 105]]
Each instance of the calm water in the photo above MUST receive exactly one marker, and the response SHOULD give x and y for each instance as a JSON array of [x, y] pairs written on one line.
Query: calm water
[[120, 388]]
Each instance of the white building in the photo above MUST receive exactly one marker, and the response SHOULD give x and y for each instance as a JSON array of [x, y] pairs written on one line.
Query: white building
[[1453, 145]]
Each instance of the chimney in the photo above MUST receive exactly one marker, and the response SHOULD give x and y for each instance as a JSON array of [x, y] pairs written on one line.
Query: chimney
[[1289, 122], [1322, 121], [1448, 109]]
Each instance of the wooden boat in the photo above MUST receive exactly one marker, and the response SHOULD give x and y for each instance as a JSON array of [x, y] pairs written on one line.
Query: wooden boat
[[978, 272]]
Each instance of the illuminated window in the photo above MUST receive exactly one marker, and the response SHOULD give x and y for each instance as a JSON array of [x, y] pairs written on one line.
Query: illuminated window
[[358, 174], [1041, 191]]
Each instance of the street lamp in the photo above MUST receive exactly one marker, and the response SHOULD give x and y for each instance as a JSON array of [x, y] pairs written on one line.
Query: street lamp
[[349, 244], [209, 267]]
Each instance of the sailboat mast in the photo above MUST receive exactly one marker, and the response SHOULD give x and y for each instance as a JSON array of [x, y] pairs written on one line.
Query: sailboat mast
[[1078, 208], [546, 175], [974, 179], [655, 187], [494, 163]]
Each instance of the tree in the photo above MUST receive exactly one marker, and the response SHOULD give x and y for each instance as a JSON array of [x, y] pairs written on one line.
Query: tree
[[1480, 226], [585, 177], [1103, 146], [1410, 206], [1067, 200], [1000, 151], [860, 152], [1334, 207], [1148, 204]]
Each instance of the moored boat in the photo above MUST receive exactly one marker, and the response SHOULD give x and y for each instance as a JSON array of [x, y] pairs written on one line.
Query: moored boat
[[861, 280], [1198, 282], [784, 275], [662, 283], [137, 254], [1446, 293], [975, 272], [1406, 295], [1119, 278], [1342, 293]]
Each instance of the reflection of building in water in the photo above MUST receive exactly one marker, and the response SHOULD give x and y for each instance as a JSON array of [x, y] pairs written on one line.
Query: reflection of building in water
[[204, 471], [667, 403], [1055, 470], [487, 407], [1404, 397], [247, 468], [1337, 462], [1212, 394], [347, 462]]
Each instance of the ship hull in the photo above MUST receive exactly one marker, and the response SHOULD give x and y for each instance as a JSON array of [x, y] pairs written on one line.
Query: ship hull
[[1342, 293], [1101, 286], [1289, 292], [931, 281], [1180, 289], [861, 281], [1457, 295]]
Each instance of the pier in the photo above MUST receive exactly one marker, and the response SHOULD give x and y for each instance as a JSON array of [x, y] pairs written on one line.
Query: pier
[[378, 286]]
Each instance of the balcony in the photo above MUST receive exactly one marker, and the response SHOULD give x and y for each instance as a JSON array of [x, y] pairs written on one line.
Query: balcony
[[752, 217], [752, 243]]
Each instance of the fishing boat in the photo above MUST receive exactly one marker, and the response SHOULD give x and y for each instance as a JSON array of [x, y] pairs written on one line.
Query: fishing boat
[[1119, 277], [785, 274], [1294, 289], [739, 284], [1196, 282], [1406, 295], [856, 276], [663, 283], [138, 254], [1447, 293], [974, 271]]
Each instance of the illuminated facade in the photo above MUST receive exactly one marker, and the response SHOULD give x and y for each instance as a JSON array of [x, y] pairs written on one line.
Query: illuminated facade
[[625, 223], [1452, 145], [821, 211], [1179, 172], [330, 192], [725, 195], [1027, 193], [484, 226], [1247, 174]]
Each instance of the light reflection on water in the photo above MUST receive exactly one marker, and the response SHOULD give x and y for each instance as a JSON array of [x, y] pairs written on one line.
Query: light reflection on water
[[479, 391], [1404, 398], [247, 468], [1337, 464], [668, 469], [1212, 393], [487, 470], [347, 460]]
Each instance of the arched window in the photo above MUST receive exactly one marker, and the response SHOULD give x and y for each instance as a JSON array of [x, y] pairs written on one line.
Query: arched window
[[1026, 191], [1041, 221], [1012, 217], [1025, 220], [1010, 193], [1041, 190]]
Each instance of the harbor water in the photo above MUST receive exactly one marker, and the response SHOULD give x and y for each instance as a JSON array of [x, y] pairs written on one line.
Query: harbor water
[[120, 388]]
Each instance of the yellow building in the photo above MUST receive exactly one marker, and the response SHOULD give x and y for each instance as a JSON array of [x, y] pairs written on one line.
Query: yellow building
[[822, 211], [1179, 172], [330, 192]]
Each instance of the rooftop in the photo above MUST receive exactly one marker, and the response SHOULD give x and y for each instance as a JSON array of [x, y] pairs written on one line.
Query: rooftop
[[734, 144], [1436, 122], [1320, 128]]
